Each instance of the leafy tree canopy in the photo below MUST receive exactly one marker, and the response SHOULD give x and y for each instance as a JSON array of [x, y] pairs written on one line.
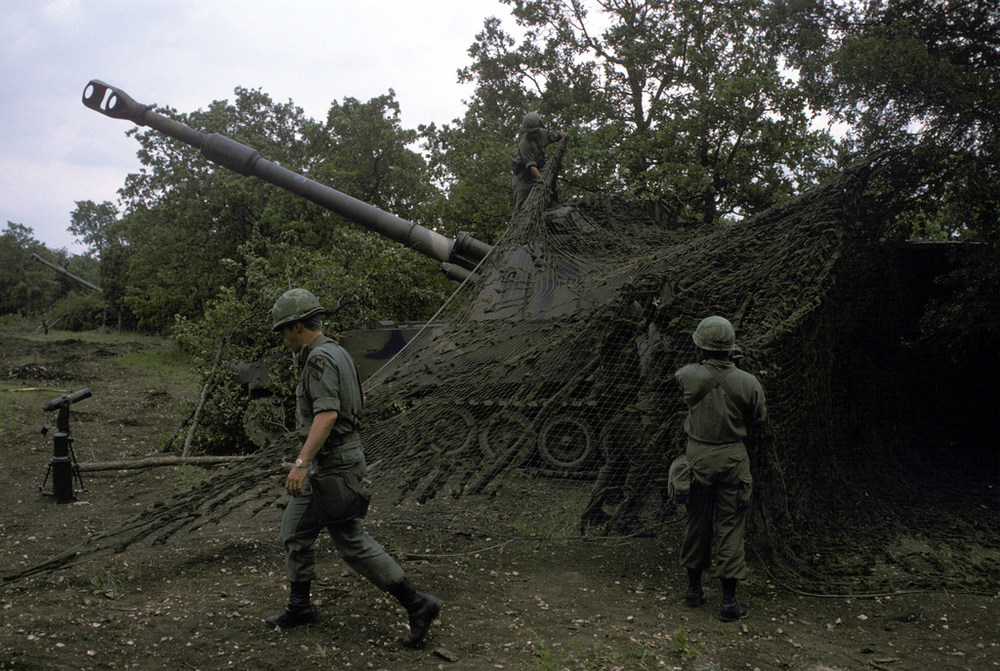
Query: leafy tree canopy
[[919, 78], [34, 290], [680, 100], [186, 220]]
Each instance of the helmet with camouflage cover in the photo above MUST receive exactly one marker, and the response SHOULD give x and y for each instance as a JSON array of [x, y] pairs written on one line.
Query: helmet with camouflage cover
[[532, 121], [715, 334], [294, 305]]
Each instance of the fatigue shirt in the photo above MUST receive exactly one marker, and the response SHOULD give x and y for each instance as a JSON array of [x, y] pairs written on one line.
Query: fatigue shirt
[[531, 151], [328, 381], [715, 416]]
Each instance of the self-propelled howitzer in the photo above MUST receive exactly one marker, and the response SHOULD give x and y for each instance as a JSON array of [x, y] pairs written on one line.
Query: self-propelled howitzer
[[459, 256]]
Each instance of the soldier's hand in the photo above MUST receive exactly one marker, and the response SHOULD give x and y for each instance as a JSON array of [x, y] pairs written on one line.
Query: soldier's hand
[[293, 484]]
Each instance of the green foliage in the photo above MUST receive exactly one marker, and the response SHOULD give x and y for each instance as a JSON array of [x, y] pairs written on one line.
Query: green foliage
[[545, 655], [105, 585], [78, 311], [365, 153], [686, 644], [26, 287], [190, 476], [682, 101], [32, 289], [92, 223], [921, 80]]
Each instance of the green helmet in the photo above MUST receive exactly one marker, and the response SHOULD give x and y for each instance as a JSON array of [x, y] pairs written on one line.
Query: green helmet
[[532, 121], [715, 334], [294, 305]]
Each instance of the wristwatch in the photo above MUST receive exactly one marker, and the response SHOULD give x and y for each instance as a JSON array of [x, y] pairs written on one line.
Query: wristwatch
[[300, 464]]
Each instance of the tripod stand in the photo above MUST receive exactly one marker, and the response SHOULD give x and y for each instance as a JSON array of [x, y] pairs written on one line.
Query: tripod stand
[[63, 465]]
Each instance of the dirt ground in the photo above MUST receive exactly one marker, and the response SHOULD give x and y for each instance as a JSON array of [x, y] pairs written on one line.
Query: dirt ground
[[512, 599]]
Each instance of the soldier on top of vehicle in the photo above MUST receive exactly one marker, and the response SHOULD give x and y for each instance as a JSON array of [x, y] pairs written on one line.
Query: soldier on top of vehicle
[[530, 157]]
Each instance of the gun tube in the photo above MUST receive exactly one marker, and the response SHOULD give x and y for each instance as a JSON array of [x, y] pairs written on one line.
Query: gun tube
[[458, 256], [63, 271]]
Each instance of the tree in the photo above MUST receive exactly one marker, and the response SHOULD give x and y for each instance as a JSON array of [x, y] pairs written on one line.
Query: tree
[[25, 286], [92, 222], [921, 76], [921, 79], [186, 221], [365, 152], [32, 289], [680, 100]]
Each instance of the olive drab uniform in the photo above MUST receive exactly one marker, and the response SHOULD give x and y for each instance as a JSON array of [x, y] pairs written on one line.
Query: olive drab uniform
[[530, 152], [334, 495], [722, 400]]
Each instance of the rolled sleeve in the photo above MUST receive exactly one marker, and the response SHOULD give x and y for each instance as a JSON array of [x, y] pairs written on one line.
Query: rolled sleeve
[[325, 390]]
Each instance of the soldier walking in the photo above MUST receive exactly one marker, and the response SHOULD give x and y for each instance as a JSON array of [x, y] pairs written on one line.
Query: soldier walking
[[722, 400], [326, 482]]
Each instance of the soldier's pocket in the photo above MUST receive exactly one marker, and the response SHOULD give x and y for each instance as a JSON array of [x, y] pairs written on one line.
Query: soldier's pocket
[[351, 456], [745, 490], [741, 478], [342, 495]]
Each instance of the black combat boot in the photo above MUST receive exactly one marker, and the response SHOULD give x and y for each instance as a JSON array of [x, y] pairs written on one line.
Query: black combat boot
[[422, 609], [299, 610], [695, 594], [732, 609]]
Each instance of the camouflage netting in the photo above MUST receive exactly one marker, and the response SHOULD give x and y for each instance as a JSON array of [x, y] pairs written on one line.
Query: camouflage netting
[[550, 376], [559, 360]]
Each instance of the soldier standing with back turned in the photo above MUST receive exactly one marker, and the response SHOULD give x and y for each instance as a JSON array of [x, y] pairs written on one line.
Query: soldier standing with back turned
[[722, 400], [326, 482]]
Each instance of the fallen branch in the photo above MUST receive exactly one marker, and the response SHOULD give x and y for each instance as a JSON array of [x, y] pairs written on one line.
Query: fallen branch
[[204, 397], [153, 462], [51, 391]]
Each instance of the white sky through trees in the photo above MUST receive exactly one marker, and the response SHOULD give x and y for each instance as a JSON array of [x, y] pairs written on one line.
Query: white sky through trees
[[187, 53]]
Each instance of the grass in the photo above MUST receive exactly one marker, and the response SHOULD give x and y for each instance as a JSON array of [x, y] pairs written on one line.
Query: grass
[[686, 644], [545, 655], [159, 356], [107, 337], [104, 585], [11, 415], [169, 364]]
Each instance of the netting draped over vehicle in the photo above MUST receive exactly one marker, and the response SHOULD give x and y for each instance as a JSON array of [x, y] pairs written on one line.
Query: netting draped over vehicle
[[559, 358], [549, 378]]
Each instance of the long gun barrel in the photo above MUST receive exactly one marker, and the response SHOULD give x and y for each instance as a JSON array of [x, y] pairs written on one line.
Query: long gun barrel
[[459, 256], [63, 271]]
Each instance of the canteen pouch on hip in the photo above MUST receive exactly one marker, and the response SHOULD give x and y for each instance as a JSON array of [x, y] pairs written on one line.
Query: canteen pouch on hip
[[679, 480], [339, 487]]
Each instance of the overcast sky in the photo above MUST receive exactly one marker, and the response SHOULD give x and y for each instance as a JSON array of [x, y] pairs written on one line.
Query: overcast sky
[[187, 53]]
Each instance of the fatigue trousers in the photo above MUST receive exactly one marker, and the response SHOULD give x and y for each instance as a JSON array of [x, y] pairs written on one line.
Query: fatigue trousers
[[521, 188], [717, 508], [334, 497]]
